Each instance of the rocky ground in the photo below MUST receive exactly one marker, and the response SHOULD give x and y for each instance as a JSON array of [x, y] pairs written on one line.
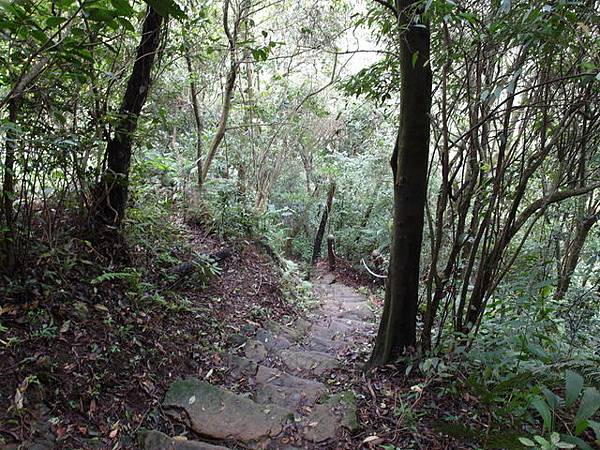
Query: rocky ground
[[289, 381]]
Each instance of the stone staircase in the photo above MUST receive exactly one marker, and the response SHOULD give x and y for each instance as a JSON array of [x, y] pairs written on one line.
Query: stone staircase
[[289, 373]]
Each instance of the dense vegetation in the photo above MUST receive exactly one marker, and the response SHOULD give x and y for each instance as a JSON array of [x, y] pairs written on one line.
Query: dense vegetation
[[185, 166]]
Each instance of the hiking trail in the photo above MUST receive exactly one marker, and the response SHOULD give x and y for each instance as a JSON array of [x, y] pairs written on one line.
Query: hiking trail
[[290, 380]]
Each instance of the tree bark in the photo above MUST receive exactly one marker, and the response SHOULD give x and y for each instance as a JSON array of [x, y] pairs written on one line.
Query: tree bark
[[113, 191], [571, 258], [197, 117], [321, 230], [397, 330], [9, 235], [229, 87]]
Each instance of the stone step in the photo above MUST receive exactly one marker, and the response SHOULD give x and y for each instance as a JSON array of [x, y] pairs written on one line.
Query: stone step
[[336, 334], [325, 344], [240, 367], [217, 413], [292, 332], [345, 326], [280, 367], [255, 351], [350, 298], [273, 386], [272, 341], [308, 361], [356, 311], [326, 419], [155, 440]]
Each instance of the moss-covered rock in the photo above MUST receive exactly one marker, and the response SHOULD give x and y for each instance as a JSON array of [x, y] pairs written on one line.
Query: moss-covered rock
[[220, 414]]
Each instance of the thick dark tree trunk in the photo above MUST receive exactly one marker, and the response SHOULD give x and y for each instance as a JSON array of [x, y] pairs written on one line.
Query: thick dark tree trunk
[[8, 233], [397, 330], [321, 230], [113, 193]]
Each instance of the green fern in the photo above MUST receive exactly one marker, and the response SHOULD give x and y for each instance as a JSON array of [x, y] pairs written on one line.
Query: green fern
[[111, 276]]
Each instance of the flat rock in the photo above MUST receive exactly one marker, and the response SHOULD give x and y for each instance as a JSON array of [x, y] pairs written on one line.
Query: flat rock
[[272, 341], [325, 345], [321, 425], [291, 334], [302, 326], [241, 367], [357, 311], [345, 327], [310, 361], [155, 440], [344, 404], [274, 386], [350, 298], [220, 414], [255, 351], [328, 418], [328, 333]]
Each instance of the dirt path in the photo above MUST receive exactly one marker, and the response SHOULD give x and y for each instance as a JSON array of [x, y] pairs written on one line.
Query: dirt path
[[289, 381]]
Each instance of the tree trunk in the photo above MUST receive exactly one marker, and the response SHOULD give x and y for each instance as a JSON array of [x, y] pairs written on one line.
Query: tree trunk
[[229, 87], [112, 199], [323, 224], [572, 255], [331, 252], [197, 117], [397, 330], [8, 235]]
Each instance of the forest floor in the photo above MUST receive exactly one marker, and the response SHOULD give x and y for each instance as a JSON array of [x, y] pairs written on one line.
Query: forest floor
[[88, 364]]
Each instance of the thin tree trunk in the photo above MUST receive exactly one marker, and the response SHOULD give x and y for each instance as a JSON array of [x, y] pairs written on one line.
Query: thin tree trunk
[[248, 113], [321, 230], [572, 255], [331, 252], [397, 330], [227, 95], [115, 182], [197, 117], [9, 235]]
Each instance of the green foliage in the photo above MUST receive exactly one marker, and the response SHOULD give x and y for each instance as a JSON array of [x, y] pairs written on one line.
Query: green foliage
[[205, 270], [111, 276], [167, 8], [554, 411], [295, 289]]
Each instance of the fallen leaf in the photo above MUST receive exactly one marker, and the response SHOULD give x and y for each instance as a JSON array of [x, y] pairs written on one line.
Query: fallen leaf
[[372, 440], [65, 326], [19, 399]]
